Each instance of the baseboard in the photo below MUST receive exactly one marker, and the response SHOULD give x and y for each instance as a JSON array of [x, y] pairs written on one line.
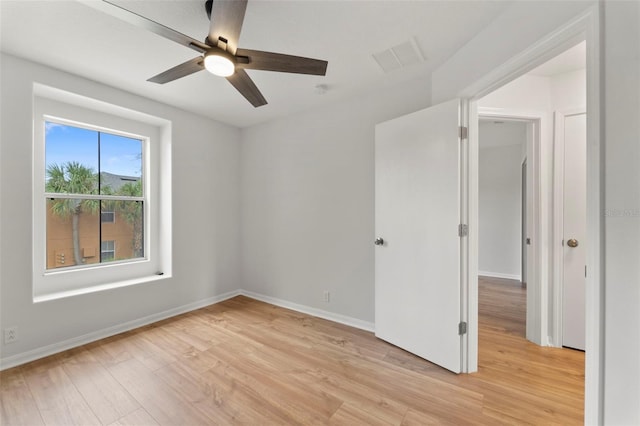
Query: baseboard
[[331, 316], [34, 354], [38, 353], [499, 275]]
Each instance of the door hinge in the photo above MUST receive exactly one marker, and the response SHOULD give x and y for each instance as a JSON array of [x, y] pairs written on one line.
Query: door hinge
[[463, 132], [462, 328], [463, 230]]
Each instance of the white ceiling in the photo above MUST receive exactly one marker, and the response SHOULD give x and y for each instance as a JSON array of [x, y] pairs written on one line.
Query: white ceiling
[[73, 37]]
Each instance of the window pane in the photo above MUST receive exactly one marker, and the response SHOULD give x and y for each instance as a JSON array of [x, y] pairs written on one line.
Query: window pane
[[107, 251], [107, 216], [126, 231], [120, 165], [71, 156], [73, 233]]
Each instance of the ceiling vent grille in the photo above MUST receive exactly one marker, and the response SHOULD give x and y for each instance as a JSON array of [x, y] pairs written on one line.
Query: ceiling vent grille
[[400, 56]]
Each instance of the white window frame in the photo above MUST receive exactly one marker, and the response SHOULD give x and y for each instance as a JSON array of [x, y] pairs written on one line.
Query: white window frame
[[63, 107]]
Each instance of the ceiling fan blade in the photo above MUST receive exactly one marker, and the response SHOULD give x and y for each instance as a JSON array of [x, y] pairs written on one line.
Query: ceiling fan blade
[[147, 24], [243, 83], [267, 61], [193, 65], [226, 22]]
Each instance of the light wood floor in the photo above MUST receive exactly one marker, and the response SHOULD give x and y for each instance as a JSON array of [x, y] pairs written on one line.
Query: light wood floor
[[247, 362]]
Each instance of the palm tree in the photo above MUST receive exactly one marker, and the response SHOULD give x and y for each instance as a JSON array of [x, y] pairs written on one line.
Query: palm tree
[[72, 178], [132, 213]]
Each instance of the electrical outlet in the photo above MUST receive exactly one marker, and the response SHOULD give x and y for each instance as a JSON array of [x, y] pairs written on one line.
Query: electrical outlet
[[10, 334], [326, 296]]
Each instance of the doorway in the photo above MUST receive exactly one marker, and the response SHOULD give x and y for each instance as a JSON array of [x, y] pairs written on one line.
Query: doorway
[[503, 148], [557, 85], [551, 179], [503, 206]]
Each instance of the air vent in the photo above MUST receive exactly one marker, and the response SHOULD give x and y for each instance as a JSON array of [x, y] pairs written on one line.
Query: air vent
[[402, 55], [387, 61]]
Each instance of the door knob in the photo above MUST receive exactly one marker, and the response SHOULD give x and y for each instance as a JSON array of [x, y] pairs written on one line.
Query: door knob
[[379, 241], [572, 242]]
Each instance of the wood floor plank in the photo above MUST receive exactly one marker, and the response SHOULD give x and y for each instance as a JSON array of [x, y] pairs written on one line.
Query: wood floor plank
[[306, 405], [165, 405], [139, 417], [18, 405], [106, 397], [348, 415], [242, 361], [356, 396], [220, 397], [58, 400]]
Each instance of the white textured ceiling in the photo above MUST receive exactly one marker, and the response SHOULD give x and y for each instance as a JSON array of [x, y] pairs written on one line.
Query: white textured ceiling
[[73, 37]]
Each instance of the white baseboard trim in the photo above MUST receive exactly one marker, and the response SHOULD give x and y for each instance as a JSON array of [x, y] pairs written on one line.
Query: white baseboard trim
[[34, 354], [499, 275], [331, 316], [44, 351]]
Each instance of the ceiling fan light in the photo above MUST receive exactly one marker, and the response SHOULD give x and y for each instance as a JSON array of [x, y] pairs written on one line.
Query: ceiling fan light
[[219, 65]]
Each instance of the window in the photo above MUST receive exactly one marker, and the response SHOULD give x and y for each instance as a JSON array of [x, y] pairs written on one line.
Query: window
[[92, 177], [107, 251], [101, 196], [107, 215]]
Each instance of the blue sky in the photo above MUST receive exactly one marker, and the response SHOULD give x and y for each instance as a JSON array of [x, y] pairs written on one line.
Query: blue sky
[[118, 154]]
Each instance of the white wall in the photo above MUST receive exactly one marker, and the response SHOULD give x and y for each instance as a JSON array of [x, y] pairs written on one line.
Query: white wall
[[568, 90], [622, 212], [308, 201], [529, 93], [500, 199], [206, 224]]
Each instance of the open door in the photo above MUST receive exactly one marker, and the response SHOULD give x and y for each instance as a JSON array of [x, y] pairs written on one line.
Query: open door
[[418, 251]]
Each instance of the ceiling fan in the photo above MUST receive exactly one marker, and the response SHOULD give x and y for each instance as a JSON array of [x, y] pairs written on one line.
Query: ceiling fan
[[219, 53]]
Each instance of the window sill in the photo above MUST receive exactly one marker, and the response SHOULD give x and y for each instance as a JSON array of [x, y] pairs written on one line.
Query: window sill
[[98, 288]]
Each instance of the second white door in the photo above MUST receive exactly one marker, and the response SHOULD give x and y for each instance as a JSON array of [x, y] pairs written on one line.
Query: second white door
[[574, 227]]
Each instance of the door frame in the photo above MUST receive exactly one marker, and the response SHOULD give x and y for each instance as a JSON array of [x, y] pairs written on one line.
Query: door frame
[[538, 134], [586, 26], [557, 334]]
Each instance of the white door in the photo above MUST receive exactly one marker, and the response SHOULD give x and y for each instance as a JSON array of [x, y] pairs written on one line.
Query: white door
[[574, 229], [417, 211]]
